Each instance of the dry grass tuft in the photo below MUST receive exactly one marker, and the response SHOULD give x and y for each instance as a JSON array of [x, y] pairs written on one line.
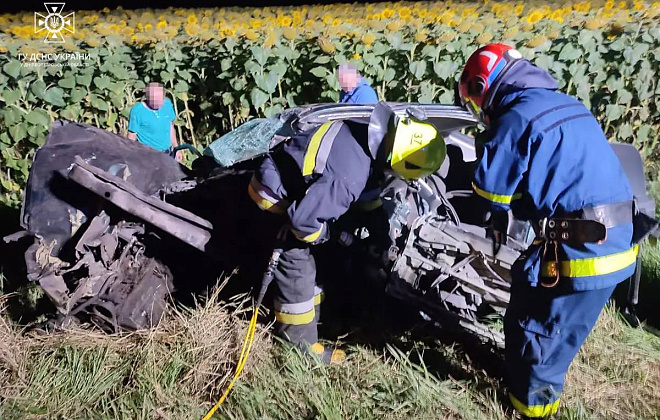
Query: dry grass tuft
[[177, 370], [617, 372], [13, 354], [211, 338]]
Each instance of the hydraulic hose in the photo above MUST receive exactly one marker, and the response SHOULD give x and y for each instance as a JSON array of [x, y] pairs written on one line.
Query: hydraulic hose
[[252, 327]]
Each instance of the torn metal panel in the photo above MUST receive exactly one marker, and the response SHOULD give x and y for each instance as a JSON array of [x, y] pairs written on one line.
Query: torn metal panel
[[140, 195], [94, 232], [180, 223], [112, 282], [145, 303], [54, 208], [56, 290]]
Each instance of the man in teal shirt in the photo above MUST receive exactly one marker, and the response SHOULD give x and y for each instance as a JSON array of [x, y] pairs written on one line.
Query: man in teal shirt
[[354, 89], [151, 122]]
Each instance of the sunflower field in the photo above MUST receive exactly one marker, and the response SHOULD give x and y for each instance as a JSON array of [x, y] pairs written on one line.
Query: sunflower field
[[223, 66]]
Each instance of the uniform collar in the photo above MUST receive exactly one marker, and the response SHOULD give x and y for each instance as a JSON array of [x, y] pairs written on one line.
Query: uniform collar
[[524, 76]]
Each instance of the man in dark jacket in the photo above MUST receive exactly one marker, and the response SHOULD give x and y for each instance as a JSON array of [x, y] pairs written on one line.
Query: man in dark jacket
[[314, 179], [545, 157]]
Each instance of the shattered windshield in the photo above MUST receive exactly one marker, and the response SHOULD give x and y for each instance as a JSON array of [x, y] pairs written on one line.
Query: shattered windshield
[[248, 140]]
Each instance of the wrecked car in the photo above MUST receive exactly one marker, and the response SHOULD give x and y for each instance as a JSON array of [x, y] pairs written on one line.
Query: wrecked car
[[112, 220]]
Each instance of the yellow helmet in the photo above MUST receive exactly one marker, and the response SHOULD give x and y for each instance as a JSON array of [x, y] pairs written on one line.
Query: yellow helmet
[[418, 149]]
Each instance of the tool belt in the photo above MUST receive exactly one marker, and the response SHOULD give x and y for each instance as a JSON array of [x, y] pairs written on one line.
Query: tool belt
[[588, 225]]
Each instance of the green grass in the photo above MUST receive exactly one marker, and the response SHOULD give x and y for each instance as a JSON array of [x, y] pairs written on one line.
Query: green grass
[[371, 385], [178, 370]]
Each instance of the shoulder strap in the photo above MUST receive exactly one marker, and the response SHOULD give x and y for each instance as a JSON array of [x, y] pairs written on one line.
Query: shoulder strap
[[319, 147]]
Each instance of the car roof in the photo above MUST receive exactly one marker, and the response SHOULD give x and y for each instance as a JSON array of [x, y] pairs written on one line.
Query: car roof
[[448, 119]]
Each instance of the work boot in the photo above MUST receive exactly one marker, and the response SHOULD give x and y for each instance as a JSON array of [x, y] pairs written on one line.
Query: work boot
[[327, 355]]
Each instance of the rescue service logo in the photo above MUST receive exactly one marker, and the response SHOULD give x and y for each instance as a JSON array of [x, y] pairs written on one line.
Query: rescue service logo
[[54, 24]]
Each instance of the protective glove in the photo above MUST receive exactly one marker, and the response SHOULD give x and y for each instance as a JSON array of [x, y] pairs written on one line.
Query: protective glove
[[345, 239], [498, 226]]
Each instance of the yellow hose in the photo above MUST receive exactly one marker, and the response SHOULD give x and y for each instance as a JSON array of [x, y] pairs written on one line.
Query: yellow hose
[[242, 359], [249, 337]]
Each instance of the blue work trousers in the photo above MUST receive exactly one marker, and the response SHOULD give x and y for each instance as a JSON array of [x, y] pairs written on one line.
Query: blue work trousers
[[544, 329]]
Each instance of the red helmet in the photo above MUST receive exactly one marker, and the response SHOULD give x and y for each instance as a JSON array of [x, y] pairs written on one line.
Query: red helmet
[[482, 72]]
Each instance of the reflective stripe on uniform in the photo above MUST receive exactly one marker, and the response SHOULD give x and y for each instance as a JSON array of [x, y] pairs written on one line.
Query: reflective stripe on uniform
[[318, 149], [319, 296], [265, 198], [495, 198], [597, 266], [294, 308], [309, 238], [300, 313], [295, 319], [534, 410]]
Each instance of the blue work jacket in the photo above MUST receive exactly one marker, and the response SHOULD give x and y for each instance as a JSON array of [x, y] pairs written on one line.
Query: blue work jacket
[[545, 155]]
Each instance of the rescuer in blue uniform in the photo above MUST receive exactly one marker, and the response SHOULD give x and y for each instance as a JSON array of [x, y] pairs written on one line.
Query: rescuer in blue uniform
[[545, 157], [313, 180]]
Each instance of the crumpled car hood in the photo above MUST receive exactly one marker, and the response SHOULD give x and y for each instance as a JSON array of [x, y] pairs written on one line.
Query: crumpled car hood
[[53, 208]]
